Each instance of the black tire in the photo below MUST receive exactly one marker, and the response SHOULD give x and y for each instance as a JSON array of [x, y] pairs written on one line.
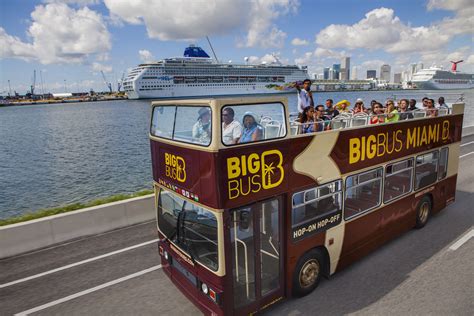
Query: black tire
[[423, 212], [308, 272]]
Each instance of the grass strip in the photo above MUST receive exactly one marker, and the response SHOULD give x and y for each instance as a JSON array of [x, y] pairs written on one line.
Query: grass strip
[[71, 207]]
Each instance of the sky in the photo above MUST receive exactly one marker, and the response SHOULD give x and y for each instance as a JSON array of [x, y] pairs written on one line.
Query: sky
[[69, 42]]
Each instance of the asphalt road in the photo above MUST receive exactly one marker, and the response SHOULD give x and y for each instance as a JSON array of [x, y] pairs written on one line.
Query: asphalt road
[[420, 273]]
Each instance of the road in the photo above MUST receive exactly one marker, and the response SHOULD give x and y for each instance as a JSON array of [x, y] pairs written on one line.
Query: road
[[423, 272]]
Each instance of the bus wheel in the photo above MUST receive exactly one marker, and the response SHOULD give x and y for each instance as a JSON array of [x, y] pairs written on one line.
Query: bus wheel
[[423, 212], [307, 273]]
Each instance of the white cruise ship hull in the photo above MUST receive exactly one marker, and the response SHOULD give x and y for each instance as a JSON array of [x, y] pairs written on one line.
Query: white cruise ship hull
[[181, 91], [432, 85]]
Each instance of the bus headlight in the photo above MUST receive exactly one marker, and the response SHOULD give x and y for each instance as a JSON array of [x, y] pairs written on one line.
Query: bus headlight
[[204, 288], [165, 254]]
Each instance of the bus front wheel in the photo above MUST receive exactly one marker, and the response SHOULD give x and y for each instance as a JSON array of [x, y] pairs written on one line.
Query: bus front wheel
[[308, 273], [423, 212]]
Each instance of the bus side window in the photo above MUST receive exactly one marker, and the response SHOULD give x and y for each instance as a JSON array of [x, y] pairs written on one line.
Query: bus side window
[[398, 180], [316, 202], [426, 170], [363, 192], [443, 163]]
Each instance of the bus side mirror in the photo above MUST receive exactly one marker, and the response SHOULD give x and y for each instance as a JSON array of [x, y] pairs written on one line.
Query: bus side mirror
[[244, 220]]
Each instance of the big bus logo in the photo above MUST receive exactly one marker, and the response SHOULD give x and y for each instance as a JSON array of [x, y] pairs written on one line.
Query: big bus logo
[[252, 173], [175, 167]]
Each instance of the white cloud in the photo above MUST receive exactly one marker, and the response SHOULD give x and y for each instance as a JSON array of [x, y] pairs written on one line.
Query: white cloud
[[306, 59], [381, 29], [328, 53], [268, 59], [452, 5], [187, 20], [59, 34], [145, 55], [299, 42], [97, 67]]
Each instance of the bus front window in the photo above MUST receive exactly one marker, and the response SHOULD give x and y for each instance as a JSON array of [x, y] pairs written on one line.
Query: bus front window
[[191, 227]]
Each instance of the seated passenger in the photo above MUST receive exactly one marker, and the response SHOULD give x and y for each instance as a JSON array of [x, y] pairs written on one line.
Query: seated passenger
[[307, 120], [202, 128], [343, 106], [431, 111], [321, 118], [412, 106], [392, 113], [358, 107], [252, 130], [331, 111], [441, 103], [231, 129], [403, 109], [378, 115]]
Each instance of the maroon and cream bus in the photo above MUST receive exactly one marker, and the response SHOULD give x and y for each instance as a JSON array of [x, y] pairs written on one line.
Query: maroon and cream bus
[[244, 225]]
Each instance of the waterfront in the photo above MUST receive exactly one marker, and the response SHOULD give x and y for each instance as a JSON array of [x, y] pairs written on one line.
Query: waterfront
[[51, 155]]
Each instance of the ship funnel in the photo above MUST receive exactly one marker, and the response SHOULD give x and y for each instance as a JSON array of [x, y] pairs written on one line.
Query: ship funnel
[[455, 65]]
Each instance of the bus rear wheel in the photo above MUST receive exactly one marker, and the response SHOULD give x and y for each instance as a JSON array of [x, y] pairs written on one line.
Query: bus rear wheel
[[307, 273], [423, 212]]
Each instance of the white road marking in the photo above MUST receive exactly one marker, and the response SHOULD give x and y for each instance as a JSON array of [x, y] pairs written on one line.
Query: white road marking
[[91, 290], [462, 240], [77, 263], [472, 152], [462, 145]]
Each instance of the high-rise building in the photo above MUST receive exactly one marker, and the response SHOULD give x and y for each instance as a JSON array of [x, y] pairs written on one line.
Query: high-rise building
[[371, 74], [337, 70], [354, 73], [385, 73], [326, 73], [345, 68], [397, 78]]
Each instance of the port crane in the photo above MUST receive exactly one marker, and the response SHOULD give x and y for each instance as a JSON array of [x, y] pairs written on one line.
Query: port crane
[[108, 84], [120, 83], [455, 65], [33, 83]]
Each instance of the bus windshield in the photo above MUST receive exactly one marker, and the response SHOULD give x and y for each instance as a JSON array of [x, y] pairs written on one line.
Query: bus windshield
[[189, 124], [191, 227]]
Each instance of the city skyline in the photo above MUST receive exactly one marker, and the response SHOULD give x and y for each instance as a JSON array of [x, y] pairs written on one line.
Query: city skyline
[[70, 42]]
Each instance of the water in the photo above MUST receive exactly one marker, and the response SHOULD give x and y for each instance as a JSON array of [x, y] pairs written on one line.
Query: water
[[51, 155]]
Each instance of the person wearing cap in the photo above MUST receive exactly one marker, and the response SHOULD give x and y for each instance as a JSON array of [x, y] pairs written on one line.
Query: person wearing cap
[[252, 131], [202, 128], [343, 105]]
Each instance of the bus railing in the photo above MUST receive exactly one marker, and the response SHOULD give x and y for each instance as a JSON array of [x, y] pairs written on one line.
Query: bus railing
[[348, 120]]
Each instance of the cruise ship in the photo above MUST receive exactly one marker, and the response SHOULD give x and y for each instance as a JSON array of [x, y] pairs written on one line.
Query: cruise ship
[[196, 74], [435, 78]]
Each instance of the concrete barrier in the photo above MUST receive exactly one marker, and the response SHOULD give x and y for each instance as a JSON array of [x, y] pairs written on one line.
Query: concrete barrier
[[39, 233], [467, 130]]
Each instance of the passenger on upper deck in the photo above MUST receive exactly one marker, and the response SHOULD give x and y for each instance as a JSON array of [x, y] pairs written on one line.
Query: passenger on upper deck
[[441, 103], [343, 105], [202, 128], [403, 109], [305, 96], [252, 130], [308, 117], [358, 107], [412, 105], [231, 129], [322, 120], [392, 113], [424, 102], [331, 111], [430, 109], [378, 115]]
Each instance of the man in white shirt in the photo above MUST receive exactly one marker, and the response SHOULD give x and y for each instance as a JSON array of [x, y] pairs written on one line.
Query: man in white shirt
[[305, 96], [231, 129]]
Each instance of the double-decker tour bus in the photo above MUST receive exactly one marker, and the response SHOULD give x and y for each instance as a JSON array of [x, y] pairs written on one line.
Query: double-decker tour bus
[[245, 222]]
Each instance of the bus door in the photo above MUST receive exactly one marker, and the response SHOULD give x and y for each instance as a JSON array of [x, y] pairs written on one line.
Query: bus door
[[257, 258]]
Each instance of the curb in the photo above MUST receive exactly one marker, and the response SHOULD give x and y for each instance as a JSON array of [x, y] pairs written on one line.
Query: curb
[[44, 232]]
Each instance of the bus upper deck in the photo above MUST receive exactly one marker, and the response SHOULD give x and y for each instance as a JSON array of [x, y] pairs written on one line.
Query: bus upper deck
[[193, 147]]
